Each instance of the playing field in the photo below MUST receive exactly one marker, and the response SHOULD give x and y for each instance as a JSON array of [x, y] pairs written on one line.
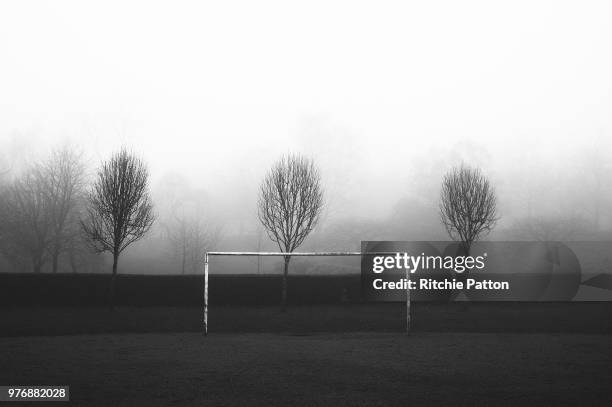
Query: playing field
[[349, 369], [459, 354], [492, 317]]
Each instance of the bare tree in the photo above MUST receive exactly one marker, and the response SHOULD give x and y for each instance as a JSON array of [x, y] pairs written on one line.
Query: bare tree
[[203, 235], [190, 237], [186, 222], [120, 211], [178, 234], [551, 227], [40, 209], [64, 181], [290, 203], [26, 222], [468, 205]]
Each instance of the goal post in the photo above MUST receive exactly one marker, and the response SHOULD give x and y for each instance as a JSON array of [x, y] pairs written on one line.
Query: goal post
[[207, 256]]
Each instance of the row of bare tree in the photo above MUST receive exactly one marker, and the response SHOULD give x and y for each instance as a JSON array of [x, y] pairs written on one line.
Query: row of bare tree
[[40, 211], [48, 211], [54, 215], [291, 201], [51, 210]]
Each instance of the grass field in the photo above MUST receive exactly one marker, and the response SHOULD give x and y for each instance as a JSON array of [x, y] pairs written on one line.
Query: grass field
[[357, 369], [352, 355], [509, 317]]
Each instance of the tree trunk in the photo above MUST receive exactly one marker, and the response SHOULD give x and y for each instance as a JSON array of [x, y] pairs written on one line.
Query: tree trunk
[[37, 262], [111, 290], [284, 292], [183, 262], [55, 260], [467, 247], [73, 263]]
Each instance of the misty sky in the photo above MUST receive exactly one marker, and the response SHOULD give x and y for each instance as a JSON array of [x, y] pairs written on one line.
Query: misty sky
[[384, 95]]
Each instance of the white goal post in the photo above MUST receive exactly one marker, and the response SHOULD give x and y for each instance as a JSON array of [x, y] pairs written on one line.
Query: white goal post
[[281, 254]]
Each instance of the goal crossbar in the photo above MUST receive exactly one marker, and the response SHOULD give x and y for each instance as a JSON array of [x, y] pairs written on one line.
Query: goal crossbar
[[285, 254]]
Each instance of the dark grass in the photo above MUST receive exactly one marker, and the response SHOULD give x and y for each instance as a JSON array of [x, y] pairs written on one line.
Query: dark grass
[[86, 290], [151, 352], [502, 354], [495, 317], [350, 369]]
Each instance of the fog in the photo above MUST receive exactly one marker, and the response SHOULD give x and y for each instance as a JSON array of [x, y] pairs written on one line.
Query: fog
[[384, 96]]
